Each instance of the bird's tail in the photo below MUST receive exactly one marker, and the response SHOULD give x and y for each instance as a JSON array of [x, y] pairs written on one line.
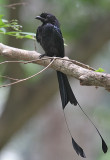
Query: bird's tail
[[67, 95], [66, 92]]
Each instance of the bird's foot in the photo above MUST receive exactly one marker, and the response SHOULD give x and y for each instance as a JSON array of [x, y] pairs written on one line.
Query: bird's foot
[[42, 55]]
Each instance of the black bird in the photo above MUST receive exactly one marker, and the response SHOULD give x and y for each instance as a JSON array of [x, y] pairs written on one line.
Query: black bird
[[50, 38]]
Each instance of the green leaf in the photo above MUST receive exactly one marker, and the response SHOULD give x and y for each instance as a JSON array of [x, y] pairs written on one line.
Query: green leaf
[[28, 33], [1, 21], [100, 70]]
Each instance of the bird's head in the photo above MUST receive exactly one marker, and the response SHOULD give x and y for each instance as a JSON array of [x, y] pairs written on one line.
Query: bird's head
[[48, 18]]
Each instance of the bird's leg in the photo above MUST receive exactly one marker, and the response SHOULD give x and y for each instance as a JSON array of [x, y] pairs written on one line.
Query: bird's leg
[[35, 46]]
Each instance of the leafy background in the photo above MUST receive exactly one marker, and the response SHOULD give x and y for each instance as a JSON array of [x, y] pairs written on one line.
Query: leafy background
[[32, 125]]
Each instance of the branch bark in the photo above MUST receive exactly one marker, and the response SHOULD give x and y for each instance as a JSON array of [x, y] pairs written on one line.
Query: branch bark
[[83, 73]]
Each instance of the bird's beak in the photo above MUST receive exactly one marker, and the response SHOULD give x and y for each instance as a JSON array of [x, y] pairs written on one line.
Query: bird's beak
[[39, 18]]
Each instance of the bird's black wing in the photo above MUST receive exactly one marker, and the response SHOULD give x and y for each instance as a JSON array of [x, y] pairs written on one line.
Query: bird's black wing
[[58, 41], [52, 41], [39, 34]]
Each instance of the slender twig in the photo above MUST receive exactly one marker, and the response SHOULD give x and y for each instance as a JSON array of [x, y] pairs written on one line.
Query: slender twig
[[35, 60], [83, 65], [14, 79], [73, 61], [21, 80], [12, 62], [13, 6]]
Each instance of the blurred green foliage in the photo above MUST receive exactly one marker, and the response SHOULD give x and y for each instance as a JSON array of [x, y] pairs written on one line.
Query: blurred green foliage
[[15, 29], [76, 16]]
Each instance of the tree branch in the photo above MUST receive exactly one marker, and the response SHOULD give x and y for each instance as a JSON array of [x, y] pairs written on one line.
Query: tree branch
[[83, 73]]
